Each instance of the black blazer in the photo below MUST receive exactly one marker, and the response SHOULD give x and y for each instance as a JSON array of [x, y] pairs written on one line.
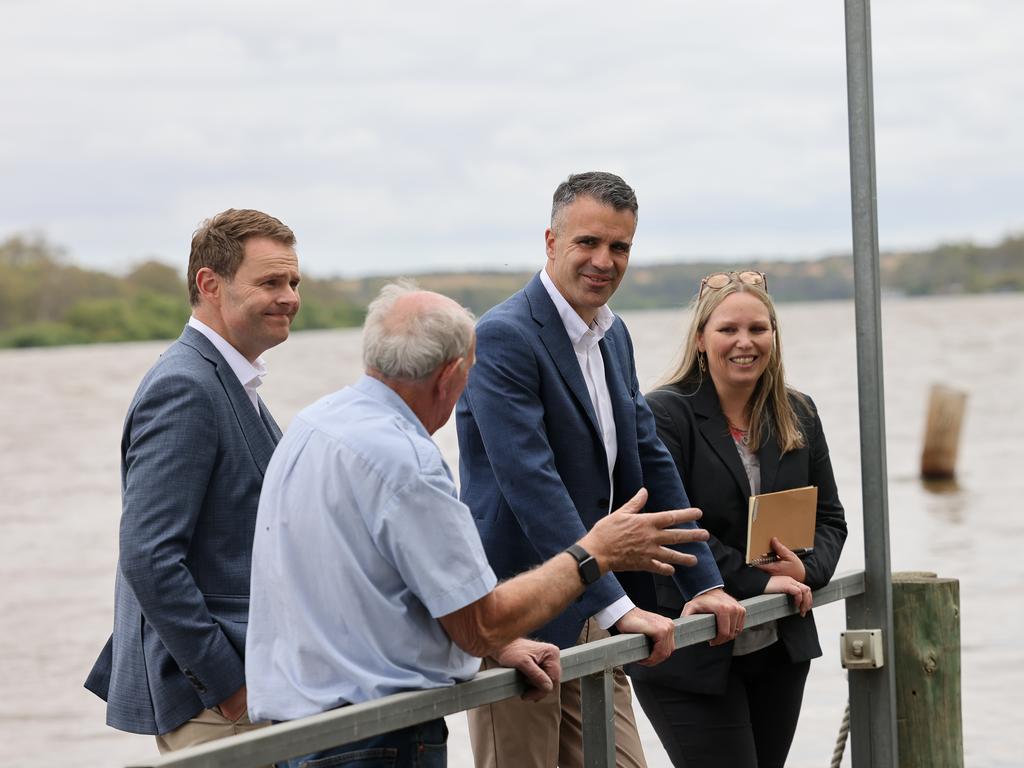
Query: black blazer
[[691, 424]]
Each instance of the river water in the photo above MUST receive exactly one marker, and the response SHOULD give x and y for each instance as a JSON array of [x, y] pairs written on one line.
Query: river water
[[59, 509]]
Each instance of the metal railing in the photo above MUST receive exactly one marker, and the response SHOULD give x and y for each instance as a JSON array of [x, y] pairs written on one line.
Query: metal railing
[[591, 664]]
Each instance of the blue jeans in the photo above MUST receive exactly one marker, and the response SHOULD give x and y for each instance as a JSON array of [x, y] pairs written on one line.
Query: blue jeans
[[419, 746]]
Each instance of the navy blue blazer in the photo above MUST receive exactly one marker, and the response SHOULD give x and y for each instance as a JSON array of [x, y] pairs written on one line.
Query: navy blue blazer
[[693, 428], [532, 461], [193, 454]]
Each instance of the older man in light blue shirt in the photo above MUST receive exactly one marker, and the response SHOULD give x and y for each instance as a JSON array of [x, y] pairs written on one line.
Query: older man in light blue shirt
[[368, 574], [368, 544]]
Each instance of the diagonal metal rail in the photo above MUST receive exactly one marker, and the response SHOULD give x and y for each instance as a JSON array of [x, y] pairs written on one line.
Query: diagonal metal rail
[[592, 662]]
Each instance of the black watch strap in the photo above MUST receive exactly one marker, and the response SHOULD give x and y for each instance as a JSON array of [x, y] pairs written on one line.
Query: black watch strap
[[586, 564]]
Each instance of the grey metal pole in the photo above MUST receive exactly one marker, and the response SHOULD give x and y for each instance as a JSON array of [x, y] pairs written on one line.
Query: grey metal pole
[[872, 692]]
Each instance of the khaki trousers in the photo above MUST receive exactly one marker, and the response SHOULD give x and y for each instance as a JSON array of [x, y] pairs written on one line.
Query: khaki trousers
[[208, 725], [548, 733]]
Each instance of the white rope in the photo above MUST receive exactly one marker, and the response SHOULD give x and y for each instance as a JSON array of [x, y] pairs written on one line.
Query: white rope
[[844, 732]]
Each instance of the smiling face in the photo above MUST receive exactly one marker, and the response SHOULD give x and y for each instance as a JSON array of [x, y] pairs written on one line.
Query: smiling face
[[253, 310], [588, 252], [737, 339]]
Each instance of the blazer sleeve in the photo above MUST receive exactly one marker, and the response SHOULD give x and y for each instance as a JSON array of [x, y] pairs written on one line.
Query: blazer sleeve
[[830, 525], [503, 393], [664, 483], [170, 452], [675, 429]]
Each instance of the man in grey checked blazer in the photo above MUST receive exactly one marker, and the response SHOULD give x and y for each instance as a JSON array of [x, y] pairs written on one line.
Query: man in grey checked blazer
[[196, 442]]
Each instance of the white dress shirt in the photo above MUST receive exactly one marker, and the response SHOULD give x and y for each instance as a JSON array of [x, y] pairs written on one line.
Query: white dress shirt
[[585, 343], [250, 375]]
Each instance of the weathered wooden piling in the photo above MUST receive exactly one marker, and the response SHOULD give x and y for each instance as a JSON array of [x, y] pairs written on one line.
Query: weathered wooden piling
[[926, 616], [942, 432]]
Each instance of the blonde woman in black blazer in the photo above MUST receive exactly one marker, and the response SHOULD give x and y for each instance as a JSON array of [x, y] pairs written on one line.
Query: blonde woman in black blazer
[[734, 428]]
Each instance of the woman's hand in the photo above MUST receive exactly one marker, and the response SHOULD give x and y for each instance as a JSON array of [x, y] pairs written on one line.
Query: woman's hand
[[788, 563], [801, 593], [787, 577]]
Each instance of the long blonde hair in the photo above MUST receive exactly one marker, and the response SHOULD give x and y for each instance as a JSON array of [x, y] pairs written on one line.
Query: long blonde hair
[[771, 410]]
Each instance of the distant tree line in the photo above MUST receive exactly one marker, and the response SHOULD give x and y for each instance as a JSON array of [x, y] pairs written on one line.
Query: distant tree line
[[46, 300]]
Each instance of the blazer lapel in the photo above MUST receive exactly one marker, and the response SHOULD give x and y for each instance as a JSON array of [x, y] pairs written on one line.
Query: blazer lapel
[[268, 421], [258, 436], [260, 441], [715, 431], [556, 341]]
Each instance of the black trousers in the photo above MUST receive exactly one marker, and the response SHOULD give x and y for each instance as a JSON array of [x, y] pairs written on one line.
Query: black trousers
[[750, 726]]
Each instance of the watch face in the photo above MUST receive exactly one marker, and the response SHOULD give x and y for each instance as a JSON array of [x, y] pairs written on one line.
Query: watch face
[[590, 571]]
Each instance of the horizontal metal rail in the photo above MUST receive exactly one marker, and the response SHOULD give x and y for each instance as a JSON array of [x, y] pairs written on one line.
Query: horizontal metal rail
[[400, 710]]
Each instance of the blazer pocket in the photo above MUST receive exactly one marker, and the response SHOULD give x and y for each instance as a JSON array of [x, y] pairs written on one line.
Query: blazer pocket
[[228, 607], [231, 612]]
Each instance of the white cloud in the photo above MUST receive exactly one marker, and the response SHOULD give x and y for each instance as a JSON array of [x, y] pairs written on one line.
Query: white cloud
[[403, 136]]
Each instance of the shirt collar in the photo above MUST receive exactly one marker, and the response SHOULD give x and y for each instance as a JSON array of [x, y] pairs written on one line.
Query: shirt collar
[[250, 375], [382, 393], [574, 326]]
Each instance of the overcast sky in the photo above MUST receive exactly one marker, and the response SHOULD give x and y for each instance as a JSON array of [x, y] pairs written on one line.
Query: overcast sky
[[407, 137]]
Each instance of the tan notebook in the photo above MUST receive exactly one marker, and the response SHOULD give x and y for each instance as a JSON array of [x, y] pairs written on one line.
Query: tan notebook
[[787, 515]]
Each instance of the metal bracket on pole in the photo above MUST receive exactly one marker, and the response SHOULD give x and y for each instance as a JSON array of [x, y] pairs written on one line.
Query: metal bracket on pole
[[598, 710], [861, 649]]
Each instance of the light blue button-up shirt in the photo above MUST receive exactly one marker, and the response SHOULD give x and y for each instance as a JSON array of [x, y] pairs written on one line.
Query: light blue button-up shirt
[[361, 544]]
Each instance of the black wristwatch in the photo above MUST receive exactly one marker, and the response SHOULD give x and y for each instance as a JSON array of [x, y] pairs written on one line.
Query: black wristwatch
[[586, 564]]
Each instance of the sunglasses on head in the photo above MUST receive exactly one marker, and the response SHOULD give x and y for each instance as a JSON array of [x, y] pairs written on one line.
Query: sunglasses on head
[[718, 280]]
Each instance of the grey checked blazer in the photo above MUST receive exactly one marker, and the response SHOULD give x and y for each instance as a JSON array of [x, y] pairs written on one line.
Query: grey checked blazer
[[193, 454]]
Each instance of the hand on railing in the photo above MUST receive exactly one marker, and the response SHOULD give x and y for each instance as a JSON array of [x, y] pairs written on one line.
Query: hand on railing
[[659, 629], [729, 614], [801, 593], [540, 664]]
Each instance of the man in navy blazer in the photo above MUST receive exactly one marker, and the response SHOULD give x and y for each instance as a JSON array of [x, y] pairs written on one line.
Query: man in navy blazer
[[553, 434], [196, 442]]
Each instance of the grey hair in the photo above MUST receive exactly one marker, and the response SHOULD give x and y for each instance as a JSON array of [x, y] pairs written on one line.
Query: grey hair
[[606, 188], [410, 346]]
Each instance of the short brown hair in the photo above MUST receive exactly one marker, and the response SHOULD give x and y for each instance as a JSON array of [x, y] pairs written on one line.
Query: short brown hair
[[219, 243], [605, 188]]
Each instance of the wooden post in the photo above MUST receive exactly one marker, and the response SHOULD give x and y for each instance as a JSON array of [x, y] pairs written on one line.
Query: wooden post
[[926, 615], [942, 432]]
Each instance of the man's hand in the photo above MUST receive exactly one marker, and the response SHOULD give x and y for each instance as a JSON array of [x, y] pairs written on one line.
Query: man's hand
[[729, 614], [788, 564], [627, 541], [801, 593], [540, 663], [660, 629], [233, 707]]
